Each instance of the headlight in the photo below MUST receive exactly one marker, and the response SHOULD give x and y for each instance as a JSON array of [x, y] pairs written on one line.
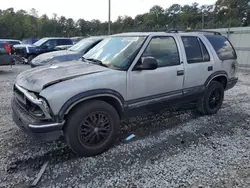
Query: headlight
[[36, 106]]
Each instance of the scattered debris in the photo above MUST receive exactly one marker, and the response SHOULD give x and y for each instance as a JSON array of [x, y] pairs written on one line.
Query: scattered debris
[[130, 137], [39, 175]]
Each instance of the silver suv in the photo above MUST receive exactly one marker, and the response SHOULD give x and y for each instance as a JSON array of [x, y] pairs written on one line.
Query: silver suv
[[85, 100]]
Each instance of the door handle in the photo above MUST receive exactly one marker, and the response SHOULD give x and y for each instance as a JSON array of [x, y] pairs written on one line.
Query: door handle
[[210, 68], [180, 72]]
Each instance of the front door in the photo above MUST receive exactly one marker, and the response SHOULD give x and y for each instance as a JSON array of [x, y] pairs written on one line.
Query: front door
[[162, 83], [49, 46]]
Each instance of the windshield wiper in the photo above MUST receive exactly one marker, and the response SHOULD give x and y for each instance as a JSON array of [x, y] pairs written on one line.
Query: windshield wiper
[[96, 61]]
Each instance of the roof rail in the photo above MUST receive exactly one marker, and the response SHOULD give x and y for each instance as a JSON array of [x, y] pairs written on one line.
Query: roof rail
[[194, 30]]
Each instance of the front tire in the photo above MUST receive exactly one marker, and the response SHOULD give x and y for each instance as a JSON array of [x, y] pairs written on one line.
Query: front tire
[[212, 101], [91, 128]]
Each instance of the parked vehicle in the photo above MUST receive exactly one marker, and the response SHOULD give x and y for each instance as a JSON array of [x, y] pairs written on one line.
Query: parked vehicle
[[28, 52], [73, 53], [10, 42], [76, 39], [123, 73], [5, 54]]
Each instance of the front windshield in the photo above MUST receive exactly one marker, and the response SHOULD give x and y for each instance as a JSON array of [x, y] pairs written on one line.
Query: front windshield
[[116, 51], [40, 42], [82, 45]]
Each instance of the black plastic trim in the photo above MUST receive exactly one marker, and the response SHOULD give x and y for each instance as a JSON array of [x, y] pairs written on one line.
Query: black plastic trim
[[144, 99], [215, 74], [92, 94]]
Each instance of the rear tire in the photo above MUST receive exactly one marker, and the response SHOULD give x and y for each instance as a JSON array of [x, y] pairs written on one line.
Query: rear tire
[[212, 100], [91, 128]]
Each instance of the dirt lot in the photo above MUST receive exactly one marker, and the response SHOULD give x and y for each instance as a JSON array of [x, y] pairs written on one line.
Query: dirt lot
[[171, 149]]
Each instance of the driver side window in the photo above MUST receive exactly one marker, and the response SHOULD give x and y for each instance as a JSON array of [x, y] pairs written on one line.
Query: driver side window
[[164, 50], [50, 44]]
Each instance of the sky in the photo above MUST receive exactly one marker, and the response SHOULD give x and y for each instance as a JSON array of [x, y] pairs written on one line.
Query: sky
[[93, 9]]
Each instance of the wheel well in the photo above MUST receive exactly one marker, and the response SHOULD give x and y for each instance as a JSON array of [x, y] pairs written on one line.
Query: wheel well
[[110, 100], [222, 80]]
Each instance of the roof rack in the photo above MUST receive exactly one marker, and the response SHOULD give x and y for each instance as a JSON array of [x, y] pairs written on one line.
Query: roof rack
[[194, 30]]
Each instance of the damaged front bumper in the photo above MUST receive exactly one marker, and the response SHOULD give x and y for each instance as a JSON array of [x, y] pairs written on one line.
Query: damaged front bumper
[[39, 126]]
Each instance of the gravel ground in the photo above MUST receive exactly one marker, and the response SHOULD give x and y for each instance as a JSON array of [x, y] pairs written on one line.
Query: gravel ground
[[171, 149]]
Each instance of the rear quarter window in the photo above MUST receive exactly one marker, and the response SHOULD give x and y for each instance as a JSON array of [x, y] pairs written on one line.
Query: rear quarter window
[[222, 46], [65, 42], [2, 50], [14, 42]]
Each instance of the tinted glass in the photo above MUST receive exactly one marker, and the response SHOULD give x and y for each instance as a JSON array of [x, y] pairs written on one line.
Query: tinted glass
[[164, 50], [50, 43], [222, 47], [40, 42], [2, 50], [65, 42], [13, 42], [193, 50], [117, 52]]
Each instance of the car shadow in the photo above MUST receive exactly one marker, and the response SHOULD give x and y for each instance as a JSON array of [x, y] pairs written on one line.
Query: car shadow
[[6, 72]]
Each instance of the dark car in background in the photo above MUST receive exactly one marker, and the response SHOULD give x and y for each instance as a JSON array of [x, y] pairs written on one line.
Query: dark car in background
[[6, 58], [44, 45], [10, 41], [73, 53]]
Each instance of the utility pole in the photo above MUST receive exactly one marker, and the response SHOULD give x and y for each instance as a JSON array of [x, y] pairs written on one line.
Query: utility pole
[[203, 20], [109, 17]]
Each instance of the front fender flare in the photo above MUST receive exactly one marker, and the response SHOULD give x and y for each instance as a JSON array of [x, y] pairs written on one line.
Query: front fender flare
[[90, 95]]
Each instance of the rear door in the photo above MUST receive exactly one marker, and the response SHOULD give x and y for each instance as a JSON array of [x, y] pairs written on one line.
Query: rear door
[[198, 62]]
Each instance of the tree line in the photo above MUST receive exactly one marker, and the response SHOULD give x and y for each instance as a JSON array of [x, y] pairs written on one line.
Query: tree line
[[21, 24]]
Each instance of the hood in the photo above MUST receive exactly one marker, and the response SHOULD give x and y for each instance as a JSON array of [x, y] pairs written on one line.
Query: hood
[[39, 78], [17, 46], [57, 56]]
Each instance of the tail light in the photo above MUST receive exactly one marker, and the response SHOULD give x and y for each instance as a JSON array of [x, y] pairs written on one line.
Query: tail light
[[7, 48]]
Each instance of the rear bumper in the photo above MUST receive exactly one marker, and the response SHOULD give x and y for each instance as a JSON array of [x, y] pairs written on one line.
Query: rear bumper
[[7, 60], [231, 83], [38, 129]]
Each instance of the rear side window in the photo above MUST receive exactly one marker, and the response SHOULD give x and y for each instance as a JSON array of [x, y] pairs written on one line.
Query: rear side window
[[14, 42], [65, 42], [222, 46], [2, 50], [196, 51]]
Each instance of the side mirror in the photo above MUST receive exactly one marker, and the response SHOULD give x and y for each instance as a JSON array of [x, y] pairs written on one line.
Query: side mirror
[[148, 63]]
